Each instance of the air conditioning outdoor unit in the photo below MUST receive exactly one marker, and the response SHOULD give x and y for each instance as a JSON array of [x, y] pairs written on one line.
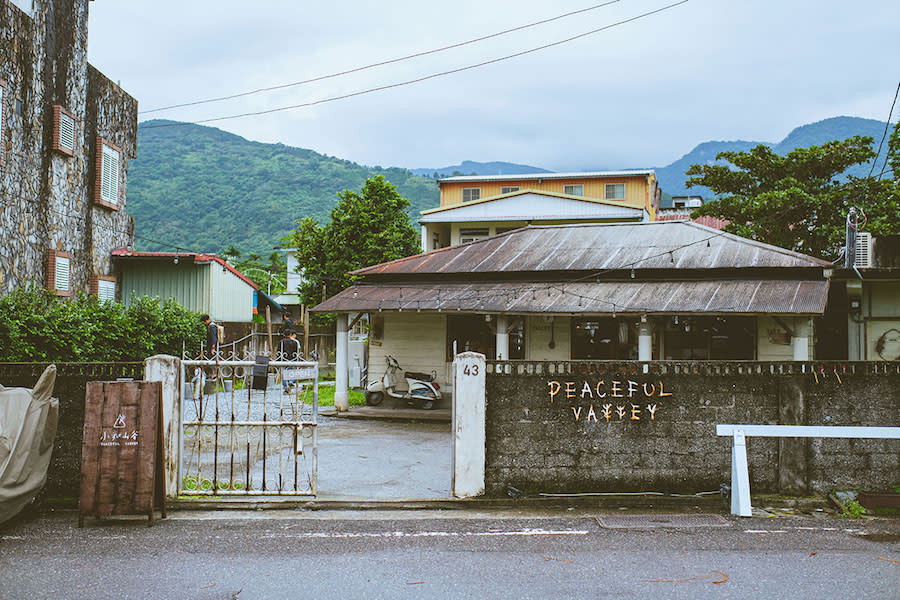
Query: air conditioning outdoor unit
[[863, 249]]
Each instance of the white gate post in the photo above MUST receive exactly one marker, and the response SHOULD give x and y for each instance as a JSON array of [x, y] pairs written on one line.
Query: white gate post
[[341, 366], [468, 424], [167, 369]]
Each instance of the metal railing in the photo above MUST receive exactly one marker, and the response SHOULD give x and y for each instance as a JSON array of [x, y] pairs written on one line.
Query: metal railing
[[248, 427]]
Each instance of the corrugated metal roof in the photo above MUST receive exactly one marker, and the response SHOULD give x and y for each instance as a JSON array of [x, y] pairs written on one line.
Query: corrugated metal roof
[[706, 220], [741, 297], [524, 176], [662, 245], [122, 253]]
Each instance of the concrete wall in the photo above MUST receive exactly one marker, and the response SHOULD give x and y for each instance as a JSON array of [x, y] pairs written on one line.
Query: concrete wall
[[665, 438], [46, 197], [64, 474]]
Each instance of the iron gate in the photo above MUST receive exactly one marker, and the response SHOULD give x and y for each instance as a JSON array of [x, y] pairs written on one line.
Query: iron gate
[[241, 435]]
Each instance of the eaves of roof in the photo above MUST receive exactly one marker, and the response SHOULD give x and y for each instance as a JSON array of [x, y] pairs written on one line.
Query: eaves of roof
[[528, 176]]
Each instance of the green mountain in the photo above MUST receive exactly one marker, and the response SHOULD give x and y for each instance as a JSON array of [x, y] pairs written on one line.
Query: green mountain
[[470, 167], [204, 189], [672, 178]]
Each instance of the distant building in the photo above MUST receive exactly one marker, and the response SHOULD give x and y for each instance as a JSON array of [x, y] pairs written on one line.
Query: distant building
[[204, 283], [66, 135], [865, 302], [475, 207]]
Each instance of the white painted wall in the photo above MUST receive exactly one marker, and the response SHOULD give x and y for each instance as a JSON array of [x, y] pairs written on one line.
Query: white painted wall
[[417, 340], [538, 335], [775, 352]]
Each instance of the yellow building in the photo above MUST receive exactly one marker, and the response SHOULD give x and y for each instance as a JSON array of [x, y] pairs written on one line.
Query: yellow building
[[475, 207]]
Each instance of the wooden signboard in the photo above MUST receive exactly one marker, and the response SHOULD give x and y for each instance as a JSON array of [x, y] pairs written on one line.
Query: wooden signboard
[[121, 454]]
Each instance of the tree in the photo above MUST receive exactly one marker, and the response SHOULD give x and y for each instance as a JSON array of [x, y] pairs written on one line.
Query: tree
[[798, 201], [365, 228]]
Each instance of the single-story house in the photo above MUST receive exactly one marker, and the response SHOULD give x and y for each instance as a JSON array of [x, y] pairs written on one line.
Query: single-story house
[[204, 283], [668, 290]]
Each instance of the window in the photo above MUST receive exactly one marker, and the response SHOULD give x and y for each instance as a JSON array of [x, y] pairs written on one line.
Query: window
[[574, 190], [473, 333], [63, 131], [470, 194], [2, 118], [435, 241], [710, 338], [472, 235], [108, 167], [104, 288], [470, 333], [615, 191], [59, 271], [509, 189], [603, 339]]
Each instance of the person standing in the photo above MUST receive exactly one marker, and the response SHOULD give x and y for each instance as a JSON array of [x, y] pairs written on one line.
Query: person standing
[[288, 350], [212, 335]]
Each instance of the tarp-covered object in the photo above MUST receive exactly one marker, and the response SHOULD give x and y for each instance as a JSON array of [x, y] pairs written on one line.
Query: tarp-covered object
[[28, 419]]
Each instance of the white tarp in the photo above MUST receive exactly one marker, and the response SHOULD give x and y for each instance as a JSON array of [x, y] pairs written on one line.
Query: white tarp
[[28, 419]]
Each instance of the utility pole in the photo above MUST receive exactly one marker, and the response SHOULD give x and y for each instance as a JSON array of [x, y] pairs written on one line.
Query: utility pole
[[850, 250]]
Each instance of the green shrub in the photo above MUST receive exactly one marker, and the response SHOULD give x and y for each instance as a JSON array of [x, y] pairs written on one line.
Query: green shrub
[[37, 326]]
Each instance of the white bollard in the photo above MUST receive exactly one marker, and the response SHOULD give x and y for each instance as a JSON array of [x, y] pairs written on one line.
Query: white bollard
[[740, 476]]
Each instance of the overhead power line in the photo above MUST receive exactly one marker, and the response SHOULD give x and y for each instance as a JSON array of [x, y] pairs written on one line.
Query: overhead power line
[[380, 64], [419, 79], [884, 135]]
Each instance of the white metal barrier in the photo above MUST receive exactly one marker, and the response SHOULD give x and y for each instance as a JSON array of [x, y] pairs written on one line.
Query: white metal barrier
[[740, 477]]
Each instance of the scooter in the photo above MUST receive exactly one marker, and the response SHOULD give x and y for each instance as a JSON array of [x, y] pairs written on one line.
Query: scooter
[[418, 389]]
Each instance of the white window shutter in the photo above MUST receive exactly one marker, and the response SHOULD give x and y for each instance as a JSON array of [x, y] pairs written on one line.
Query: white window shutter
[[109, 189], [63, 266], [106, 290], [67, 132]]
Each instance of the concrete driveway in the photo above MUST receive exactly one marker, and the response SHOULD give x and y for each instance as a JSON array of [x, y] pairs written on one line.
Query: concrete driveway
[[383, 460]]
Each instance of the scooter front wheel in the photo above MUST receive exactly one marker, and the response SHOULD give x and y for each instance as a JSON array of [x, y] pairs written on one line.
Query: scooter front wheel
[[374, 398]]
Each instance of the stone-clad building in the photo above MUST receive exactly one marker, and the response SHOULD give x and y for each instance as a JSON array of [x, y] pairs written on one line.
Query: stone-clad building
[[66, 134]]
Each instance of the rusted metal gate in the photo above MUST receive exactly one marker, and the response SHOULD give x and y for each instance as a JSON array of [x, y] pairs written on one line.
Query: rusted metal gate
[[246, 435]]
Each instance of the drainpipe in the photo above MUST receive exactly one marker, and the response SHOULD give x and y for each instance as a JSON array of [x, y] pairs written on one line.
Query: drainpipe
[[341, 366]]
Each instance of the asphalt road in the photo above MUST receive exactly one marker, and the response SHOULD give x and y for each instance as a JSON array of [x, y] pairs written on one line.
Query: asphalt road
[[447, 554]]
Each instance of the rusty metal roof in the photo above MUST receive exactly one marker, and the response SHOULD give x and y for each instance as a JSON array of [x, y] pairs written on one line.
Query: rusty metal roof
[[726, 297], [660, 245]]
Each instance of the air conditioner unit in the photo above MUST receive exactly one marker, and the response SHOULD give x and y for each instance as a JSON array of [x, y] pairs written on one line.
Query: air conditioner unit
[[863, 249]]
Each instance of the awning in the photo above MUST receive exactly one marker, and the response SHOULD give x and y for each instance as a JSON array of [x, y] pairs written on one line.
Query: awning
[[725, 297]]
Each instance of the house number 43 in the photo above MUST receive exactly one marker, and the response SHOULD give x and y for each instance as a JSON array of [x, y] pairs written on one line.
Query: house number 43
[[470, 370]]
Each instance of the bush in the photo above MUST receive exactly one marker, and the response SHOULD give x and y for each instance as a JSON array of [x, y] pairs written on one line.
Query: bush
[[37, 326]]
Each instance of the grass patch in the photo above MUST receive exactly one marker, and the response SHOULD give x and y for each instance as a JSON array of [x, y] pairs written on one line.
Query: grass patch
[[326, 396]]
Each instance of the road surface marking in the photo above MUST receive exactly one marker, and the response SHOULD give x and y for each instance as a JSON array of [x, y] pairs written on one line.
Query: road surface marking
[[416, 534]]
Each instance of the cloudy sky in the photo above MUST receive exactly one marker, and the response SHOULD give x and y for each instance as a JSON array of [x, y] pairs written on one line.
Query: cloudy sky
[[634, 95]]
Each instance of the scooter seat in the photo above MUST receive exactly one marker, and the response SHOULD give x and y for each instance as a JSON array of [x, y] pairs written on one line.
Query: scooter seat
[[419, 376]]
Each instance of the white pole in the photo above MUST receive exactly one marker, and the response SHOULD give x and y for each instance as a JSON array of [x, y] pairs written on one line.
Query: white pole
[[341, 367], [645, 342], [800, 340], [502, 338]]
